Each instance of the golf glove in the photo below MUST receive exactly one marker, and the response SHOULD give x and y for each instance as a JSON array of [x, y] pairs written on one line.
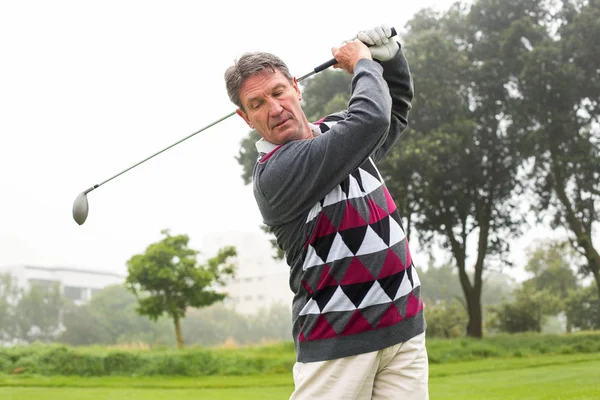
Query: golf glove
[[383, 47]]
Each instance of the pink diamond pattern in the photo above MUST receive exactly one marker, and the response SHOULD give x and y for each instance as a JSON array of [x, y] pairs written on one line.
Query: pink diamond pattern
[[358, 273]]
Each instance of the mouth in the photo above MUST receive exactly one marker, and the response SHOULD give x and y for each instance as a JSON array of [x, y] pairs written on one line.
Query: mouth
[[280, 124]]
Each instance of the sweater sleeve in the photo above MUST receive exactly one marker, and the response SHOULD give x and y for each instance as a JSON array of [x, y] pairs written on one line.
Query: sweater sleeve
[[300, 173], [396, 73]]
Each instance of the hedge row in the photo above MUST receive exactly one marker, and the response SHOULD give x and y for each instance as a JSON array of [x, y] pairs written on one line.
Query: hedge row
[[52, 360]]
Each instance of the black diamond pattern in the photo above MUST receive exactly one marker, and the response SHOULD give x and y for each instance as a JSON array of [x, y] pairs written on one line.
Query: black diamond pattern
[[322, 246], [356, 175], [356, 292], [370, 168], [390, 284], [382, 228], [345, 186], [354, 237], [397, 218], [323, 296]]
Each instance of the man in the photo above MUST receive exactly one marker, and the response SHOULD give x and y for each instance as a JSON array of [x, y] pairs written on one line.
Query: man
[[358, 322]]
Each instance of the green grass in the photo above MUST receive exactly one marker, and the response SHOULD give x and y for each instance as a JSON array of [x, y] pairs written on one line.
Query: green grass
[[572, 381], [573, 377], [277, 393]]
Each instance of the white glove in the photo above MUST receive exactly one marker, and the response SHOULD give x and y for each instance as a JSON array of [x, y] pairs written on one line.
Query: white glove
[[383, 46]]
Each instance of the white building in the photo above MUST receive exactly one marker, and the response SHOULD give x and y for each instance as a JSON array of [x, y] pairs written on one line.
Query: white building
[[260, 281], [247, 294], [78, 285]]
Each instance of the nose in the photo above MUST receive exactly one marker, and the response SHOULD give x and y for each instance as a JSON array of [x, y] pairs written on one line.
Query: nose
[[274, 107]]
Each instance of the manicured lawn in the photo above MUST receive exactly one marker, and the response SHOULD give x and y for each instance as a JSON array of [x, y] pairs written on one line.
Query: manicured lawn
[[574, 377], [572, 381], [268, 393]]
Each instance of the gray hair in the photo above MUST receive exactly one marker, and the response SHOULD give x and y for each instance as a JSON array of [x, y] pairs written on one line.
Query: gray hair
[[248, 65]]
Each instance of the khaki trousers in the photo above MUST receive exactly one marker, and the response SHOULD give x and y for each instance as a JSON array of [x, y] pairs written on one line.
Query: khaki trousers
[[397, 372]]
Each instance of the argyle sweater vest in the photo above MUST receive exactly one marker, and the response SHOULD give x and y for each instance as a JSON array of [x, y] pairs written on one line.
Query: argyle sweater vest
[[358, 290], [351, 271]]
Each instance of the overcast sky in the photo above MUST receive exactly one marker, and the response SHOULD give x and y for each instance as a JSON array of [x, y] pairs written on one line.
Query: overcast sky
[[88, 89]]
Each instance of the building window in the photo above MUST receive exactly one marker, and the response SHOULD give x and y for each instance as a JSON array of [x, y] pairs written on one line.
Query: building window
[[74, 293]]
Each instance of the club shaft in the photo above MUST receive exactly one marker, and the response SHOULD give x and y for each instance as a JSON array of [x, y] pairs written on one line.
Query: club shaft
[[162, 151], [317, 69], [184, 139]]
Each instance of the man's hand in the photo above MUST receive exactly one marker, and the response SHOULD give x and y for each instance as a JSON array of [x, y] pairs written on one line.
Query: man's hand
[[383, 48], [349, 53]]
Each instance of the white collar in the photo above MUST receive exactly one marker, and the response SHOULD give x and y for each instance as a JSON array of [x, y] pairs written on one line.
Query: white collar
[[262, 146]]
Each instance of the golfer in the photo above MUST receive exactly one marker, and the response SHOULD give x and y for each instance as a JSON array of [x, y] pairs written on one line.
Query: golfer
[[358, 323]]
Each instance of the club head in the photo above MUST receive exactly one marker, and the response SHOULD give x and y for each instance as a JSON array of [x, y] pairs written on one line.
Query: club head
[[80, 208]]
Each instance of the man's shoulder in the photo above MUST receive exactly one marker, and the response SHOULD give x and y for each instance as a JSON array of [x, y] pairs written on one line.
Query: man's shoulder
[[327, 122]]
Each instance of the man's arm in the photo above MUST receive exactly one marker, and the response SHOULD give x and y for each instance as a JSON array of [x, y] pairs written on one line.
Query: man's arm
[[300, 173], [396, 73]]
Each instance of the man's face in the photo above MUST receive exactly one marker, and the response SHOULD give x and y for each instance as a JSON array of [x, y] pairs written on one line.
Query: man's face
[[272, 107]]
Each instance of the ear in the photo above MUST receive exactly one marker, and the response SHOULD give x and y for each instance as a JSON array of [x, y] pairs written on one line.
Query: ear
[[244, 117], [297, 89]]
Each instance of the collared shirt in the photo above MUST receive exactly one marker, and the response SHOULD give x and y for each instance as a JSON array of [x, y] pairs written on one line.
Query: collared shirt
[[265, 147]]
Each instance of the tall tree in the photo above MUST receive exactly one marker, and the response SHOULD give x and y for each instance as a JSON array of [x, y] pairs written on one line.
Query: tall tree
[[458, 164], [557, 103], [167, 279]]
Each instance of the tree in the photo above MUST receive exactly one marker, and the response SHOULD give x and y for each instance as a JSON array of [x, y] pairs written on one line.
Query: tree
[[583, 308], [8, 295], [455, 174], [167, 279], [38, 313], [556, 104], [527, 313], [110, 318], [446, 319], [440, 283], [552, 264], [219, 324], [458, 166], [326, 93]]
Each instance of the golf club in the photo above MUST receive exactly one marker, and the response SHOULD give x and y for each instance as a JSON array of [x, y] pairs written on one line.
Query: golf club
[[81, 206]]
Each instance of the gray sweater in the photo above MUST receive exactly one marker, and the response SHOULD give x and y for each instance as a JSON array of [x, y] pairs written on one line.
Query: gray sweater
[[355, 288]]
